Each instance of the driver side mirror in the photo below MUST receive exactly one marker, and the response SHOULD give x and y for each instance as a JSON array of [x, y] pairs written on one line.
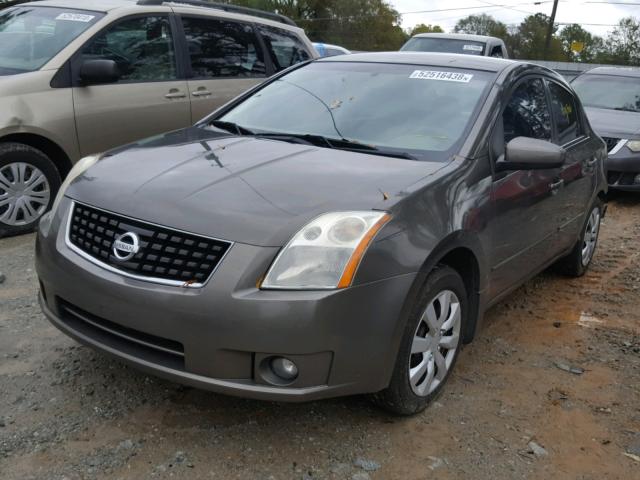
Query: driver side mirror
[[524, 153], [96, 72]]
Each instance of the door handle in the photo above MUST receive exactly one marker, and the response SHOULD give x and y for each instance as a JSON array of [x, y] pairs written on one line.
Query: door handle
[[175, 93], [592, 162], [201, 93], [554, 187]]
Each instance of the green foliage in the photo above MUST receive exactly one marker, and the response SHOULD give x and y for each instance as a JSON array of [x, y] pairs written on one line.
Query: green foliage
[[423, 28], [371, 25], [482, 24], [593, 44], [622, 46]]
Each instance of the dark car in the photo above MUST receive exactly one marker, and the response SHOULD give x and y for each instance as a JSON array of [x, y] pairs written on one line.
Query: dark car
[[611, 97], [340, 229]]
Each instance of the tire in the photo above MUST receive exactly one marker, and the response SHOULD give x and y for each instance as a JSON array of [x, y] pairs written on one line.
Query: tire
[[407, 397], [577, 262], [29, 182]]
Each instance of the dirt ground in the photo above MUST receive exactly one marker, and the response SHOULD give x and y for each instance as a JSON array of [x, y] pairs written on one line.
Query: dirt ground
[[511, 409]]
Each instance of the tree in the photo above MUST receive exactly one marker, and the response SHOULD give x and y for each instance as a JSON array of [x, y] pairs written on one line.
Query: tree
[[422, 28], [528, 40], [622, 46], [356, 24], [592, 45], [482, 24]]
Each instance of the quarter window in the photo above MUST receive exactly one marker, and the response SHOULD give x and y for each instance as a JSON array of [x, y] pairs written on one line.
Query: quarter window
[[563, 106], [285, 48], [527, 113], [142, 47], [222, 49]]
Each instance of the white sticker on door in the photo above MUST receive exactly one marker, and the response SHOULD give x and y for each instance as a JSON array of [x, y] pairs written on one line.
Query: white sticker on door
[[442, 76], [75, 17]]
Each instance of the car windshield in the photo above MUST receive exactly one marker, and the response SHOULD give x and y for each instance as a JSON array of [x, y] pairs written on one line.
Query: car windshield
[[31, 36], [609, 91], [443, 45], [417, 111]]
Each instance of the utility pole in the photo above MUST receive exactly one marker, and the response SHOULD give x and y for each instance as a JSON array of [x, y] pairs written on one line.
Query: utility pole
[[552, 21]]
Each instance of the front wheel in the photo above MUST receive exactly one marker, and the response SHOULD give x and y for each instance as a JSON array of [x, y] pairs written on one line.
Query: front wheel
[[29, 182], [577, 262], [430, 346]]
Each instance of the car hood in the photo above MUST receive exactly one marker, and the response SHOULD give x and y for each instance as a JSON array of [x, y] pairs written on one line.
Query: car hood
[[614, 123], [243, 189]]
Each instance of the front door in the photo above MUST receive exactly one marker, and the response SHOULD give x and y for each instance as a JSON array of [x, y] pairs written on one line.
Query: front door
[[226, 59], [526, 221], [149, 98]]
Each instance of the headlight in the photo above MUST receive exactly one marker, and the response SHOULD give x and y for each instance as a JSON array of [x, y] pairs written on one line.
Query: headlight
[[326, 252], [77, 170], [634, 145]]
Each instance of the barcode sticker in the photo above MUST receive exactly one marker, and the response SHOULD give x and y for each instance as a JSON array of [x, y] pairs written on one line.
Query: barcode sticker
[[75, 17], [442, 76]]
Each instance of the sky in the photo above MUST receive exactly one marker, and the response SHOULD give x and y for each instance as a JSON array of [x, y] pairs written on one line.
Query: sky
[[584, 12]]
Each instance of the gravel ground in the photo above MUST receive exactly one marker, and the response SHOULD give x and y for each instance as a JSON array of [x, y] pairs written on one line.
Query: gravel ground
[[549, 389]]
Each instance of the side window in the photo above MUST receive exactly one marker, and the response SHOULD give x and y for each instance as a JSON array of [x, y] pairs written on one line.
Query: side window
[[141, 46], [563, 106], [222, 48], [285, 48], [527, 113], [497, 52]]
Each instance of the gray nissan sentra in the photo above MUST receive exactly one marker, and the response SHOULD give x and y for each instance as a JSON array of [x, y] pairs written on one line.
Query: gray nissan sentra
[[339, 229]]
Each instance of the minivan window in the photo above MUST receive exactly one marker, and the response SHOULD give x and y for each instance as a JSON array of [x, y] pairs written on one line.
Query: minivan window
[[608, 91], [443, 45], [285, 48], [222, 49], [423, 111], [31, 36], [142, 47], [527, 113], [565, 114]]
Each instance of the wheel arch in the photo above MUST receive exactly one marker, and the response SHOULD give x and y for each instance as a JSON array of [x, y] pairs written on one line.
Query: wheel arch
[[55, 152]]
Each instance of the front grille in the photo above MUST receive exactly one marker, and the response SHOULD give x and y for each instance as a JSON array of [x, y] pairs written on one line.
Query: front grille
[[611, 142], [127, 340], [165, 255]]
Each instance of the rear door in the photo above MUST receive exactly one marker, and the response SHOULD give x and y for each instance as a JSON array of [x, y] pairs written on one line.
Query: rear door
[[579, 170], [525, 222], [225, 59], [149, 98]]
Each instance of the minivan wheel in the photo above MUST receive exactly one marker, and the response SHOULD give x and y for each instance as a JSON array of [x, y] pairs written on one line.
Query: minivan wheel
[[29, 182], [430, 345], [577, 262]]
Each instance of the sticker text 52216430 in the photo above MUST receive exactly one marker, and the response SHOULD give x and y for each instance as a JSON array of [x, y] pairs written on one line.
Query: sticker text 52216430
[[442, 76]]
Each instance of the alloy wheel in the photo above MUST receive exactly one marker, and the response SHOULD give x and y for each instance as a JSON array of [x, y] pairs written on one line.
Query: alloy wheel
[[435, 342], [24, 194], [590, 237]]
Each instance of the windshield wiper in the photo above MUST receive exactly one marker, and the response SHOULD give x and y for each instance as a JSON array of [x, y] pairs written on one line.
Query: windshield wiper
[[336, 143], [625, 109], [231, 127]]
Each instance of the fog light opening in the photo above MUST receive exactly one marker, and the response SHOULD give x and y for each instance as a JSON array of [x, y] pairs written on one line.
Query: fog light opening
[[636, 179], [284, 369]]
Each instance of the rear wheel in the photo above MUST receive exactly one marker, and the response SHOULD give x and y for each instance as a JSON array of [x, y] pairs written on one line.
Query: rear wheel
[[577, 262], [430, 346], [29, 182]]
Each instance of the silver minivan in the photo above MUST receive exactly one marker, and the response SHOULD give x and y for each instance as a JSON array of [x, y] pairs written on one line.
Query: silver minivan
[[78, 78]]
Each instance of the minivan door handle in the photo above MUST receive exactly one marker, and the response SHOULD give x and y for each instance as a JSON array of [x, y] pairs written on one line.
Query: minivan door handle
[[201, 92], [175, 93]]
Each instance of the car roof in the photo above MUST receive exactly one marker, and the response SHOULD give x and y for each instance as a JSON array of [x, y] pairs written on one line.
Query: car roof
[[109, 5], [431, 59], [619, 71], [459, 36]]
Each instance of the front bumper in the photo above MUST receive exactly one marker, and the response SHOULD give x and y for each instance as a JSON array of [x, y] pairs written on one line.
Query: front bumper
[[622, 169], [218, 337]]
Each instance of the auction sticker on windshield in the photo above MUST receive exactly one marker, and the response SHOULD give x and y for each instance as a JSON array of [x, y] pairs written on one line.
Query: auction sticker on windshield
[[442, 76], [475, 48], [75, 17]]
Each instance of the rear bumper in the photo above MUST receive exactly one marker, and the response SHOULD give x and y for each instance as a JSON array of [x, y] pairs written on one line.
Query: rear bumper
[[219, 337]]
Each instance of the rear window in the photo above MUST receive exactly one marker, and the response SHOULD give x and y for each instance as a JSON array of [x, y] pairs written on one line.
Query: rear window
[[443, 45], [30, 36], [420, 110]]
